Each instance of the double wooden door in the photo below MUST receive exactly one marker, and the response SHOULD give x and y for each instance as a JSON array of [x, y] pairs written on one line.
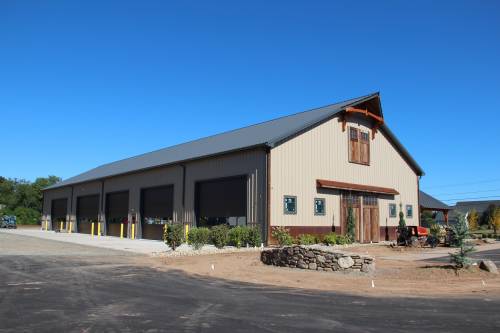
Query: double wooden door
[[366, 216]]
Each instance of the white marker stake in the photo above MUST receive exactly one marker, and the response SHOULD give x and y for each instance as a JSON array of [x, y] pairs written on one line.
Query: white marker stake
[[484, 283], [373, 284], [213, 267]]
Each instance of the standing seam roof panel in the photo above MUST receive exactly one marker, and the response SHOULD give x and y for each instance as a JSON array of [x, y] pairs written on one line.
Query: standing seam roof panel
[[267, 133]]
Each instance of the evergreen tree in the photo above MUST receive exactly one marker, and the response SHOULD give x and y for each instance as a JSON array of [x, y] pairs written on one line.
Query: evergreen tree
[[351, 224], [461, 233], [403, 235]]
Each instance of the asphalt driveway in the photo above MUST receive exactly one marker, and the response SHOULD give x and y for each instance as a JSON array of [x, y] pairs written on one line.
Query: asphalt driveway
[[50, 286]]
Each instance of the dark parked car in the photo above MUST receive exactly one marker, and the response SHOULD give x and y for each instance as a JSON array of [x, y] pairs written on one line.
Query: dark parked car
[[8, 222]]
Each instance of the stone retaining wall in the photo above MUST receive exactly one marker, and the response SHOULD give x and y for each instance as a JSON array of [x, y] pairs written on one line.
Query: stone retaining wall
[[317, 258]]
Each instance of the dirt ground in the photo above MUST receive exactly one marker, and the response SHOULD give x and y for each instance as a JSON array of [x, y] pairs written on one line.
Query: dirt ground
[[395, 275]]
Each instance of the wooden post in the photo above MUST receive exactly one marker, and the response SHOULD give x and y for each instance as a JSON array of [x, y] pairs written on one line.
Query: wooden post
[[446, 216]]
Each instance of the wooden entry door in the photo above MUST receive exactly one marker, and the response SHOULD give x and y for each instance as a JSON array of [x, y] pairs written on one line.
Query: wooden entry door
[[366, 216], [354, 201], [371, 225]]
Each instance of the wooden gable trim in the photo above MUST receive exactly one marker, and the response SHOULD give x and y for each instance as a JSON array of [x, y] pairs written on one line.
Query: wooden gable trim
[[365, 112], [379, 121], [322, 183]]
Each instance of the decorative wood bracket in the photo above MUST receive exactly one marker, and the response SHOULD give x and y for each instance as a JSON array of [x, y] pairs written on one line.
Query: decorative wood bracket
[[378, 120]]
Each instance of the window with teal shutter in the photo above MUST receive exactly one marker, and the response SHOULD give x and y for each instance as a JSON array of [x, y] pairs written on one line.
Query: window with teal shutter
[[319, 206]]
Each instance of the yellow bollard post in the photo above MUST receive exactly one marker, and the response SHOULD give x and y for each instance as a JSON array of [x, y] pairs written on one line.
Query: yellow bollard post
[[92, 229], [46, 225], [133, 231], [70, 226], [186, 230], [121, 230], [99, 229], [61, 226]]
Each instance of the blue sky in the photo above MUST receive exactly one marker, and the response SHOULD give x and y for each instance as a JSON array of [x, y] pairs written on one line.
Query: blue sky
[[84, 83]]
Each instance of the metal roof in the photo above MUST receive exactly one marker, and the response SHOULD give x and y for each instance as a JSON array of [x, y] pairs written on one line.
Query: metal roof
[[427, 201], [266, 134]]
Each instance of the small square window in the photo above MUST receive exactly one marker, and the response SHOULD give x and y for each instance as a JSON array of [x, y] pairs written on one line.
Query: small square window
[[365, 136], [354, 133], [319, 206], [290, 204], [409, 211], [392, 210]]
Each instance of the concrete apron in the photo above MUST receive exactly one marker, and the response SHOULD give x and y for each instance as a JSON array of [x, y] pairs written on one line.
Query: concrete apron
[[140, 246]]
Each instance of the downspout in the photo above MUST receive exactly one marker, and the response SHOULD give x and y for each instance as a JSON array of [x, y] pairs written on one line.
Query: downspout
[[44, 216], [183, 166], [267, 225], [101, 216], [418, 201], [71, 210]]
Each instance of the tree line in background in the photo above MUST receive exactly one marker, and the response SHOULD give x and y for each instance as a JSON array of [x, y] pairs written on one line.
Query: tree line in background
[[490, 218], [23, 198]]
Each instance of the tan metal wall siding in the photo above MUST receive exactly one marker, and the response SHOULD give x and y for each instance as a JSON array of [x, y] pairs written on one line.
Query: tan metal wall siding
[[251, 163], [48, 196], [322, 153]]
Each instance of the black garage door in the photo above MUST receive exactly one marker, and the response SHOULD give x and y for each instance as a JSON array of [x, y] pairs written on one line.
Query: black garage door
[[157, 206], [87, 211], [221, 201], [116, 213], [58, 213]]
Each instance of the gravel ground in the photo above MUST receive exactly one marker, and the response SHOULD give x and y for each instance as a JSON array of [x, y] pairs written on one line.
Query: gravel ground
[[75, 288], [139, 246]]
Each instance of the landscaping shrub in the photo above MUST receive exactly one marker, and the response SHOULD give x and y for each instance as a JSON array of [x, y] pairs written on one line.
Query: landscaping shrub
[[330, 239], [174, 235], [461, 233], [219, 235], [198, 237], [306, 239], [282, 235], [343, 240], [434, 235], [253, 237], [237, 236]]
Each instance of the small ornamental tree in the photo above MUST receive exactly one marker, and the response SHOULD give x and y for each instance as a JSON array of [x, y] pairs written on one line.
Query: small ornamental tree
[[237, 236], [253, 236], [351, 224], [473, 219], [198, 237], [174, 235], [220, 235], [402, 229], [461, 233]]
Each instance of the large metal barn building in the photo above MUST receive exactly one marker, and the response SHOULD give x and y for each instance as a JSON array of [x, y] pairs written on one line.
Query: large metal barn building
[[300, 171]]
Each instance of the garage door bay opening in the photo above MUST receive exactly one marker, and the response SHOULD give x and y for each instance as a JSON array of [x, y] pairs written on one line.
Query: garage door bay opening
[[222, 201], [87, 212], [117, 213], [157, 206]]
